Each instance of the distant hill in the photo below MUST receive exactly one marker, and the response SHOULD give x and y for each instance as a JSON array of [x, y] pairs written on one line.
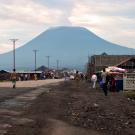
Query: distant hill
[[70, 45], [42, 68]]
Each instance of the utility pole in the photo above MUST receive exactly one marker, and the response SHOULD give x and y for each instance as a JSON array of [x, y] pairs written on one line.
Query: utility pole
[[48, 61], [14, 41], [57, 64], [35, 54]]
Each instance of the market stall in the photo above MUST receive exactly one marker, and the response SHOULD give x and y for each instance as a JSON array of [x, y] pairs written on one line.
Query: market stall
[[116, 78]]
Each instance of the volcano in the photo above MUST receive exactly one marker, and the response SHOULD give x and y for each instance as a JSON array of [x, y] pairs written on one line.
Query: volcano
[[69, 45]]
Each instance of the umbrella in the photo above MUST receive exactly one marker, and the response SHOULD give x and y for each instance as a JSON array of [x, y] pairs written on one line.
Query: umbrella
[[116, 69]]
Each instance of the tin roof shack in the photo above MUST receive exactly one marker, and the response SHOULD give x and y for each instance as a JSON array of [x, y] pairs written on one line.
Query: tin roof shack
[[98, 62], [21, 75], [128, 64]]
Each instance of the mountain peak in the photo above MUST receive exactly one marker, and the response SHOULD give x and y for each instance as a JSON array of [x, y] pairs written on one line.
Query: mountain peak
[[67, 27], [69, 45]]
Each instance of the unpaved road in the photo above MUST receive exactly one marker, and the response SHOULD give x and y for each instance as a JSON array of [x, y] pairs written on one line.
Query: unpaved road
[[29, 84], [14, 101], [66, 109], [58, 127]]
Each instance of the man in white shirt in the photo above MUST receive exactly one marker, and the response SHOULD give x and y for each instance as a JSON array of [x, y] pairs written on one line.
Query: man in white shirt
[[94, 80]]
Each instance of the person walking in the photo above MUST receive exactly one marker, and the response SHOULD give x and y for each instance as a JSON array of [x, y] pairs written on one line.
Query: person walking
[[66, 76], [13, 78], [94, 80], [77, 78], [104, 81]]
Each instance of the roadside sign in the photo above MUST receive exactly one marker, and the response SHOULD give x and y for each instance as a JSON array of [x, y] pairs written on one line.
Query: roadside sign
[[129, 81]]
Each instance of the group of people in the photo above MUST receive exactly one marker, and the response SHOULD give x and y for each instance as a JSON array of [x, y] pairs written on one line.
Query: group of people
[[103, 80], [25, 77], [14, 77], [94, 79], [108, 82]]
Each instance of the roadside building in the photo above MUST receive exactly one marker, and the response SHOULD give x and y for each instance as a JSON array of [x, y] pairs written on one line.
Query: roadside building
[[21, 75], [28, 75], [97, 62], [128, 64]]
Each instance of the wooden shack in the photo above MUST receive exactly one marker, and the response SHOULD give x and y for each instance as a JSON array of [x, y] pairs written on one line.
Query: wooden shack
[[97, 62]]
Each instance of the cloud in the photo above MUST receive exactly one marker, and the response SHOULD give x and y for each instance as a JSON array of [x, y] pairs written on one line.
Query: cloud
[[63, 4], [25, 19], [113, 20], [30, 13]]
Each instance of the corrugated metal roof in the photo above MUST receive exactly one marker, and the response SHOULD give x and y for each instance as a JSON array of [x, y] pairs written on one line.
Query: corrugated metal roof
[[27, 72]]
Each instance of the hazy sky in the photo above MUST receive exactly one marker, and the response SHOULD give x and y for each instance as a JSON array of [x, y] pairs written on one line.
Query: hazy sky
[[113, 20]]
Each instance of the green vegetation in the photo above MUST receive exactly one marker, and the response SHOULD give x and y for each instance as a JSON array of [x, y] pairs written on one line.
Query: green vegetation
[[130, 94]]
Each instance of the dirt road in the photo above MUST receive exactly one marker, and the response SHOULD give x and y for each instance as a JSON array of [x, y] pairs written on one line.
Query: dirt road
[[67, 109], [29, 84]]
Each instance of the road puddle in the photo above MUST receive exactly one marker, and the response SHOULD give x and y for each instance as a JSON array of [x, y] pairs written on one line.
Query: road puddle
[[11, 103]]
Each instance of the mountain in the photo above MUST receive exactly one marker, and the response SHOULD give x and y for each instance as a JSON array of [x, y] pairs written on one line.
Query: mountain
[[42, 68], [69, 45]]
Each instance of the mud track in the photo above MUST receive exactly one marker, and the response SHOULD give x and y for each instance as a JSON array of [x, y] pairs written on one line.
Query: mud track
[[67, 109]]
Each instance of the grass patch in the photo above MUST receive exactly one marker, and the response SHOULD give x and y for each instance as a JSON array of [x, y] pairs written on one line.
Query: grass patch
[[130, 94]]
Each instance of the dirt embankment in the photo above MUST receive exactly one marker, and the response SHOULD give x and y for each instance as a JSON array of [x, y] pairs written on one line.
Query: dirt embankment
[[69, 109]]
